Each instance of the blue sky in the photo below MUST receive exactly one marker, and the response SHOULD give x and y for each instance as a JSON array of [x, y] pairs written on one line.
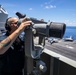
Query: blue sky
[[53, 10]]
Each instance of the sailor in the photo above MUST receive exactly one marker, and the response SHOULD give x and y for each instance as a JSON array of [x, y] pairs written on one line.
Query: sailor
[[11, 47]]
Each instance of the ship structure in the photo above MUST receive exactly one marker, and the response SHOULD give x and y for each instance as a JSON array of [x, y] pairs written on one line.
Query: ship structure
[[3, 17]]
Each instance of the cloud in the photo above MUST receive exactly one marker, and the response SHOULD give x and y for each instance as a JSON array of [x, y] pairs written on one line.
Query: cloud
[[50, 6], [70, 23], [30, 9], [49, 2]]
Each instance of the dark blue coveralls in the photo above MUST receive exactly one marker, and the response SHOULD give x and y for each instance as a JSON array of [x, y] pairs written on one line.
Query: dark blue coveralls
[[12, 61]]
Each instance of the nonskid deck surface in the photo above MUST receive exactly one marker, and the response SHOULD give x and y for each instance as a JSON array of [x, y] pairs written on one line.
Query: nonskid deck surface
[[65, 48]]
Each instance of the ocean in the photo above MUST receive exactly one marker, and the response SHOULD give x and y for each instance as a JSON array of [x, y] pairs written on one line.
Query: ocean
[[70, 31]]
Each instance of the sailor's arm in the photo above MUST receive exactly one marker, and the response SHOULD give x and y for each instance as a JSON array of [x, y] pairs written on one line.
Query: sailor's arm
[[6, 43]]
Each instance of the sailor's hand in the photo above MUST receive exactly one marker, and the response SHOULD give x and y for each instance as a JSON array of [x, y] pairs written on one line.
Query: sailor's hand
[[24, 23]]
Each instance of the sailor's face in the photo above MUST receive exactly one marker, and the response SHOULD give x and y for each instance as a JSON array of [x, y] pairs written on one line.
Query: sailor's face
[[13, 23]]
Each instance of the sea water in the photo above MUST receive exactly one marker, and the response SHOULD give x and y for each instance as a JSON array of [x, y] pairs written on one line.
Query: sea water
[[70, 31]]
